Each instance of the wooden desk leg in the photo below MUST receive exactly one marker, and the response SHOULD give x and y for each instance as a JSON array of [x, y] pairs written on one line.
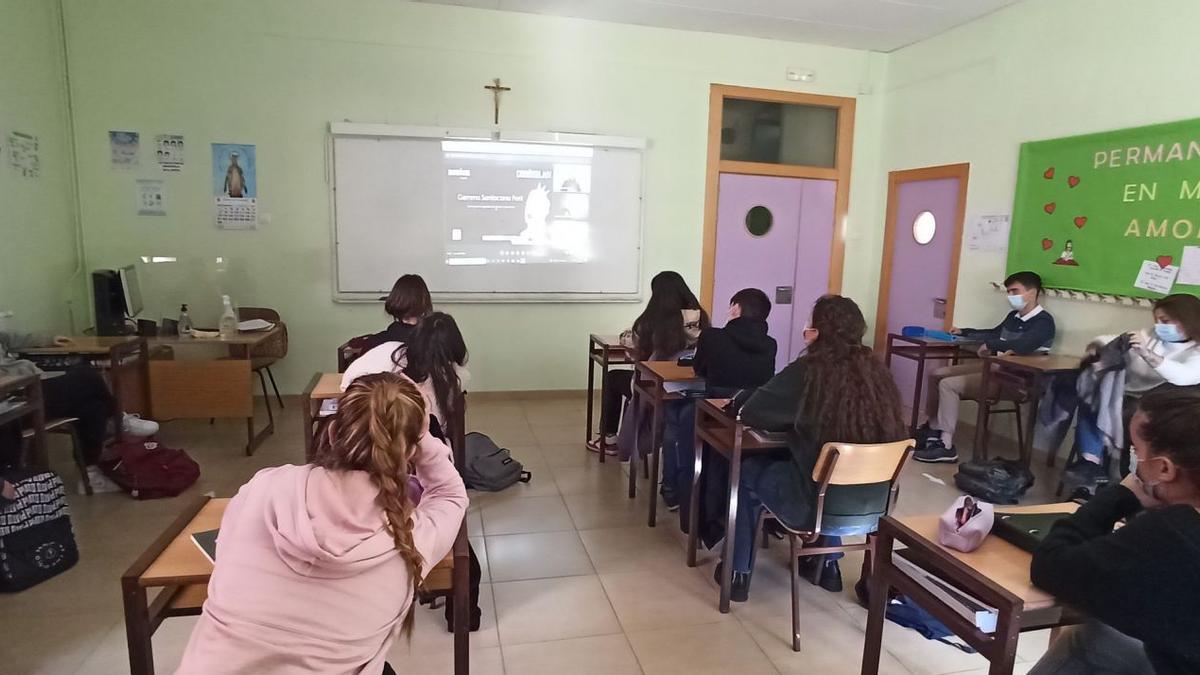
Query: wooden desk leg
[[591, 391], [694, 495], [918, 388], [137, 628], [979, 452], [735, 477], [887, 353], [635, 405], [1039, 387], [461, 600], [656, 440], [881, 565], [603, 416], [1008, 630]]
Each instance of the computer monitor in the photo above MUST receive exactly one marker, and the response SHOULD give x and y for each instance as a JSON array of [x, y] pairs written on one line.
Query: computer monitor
[[131, 290]]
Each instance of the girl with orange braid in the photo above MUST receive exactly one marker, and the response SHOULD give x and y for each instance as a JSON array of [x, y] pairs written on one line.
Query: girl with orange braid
[[317, 565]]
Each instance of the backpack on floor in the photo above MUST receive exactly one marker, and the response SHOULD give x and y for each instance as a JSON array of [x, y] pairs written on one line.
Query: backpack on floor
[[36, 539], [998, 481], [490, 467], [150, 470]]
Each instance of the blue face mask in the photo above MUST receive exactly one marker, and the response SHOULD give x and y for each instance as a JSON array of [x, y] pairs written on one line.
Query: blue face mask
[[1169, 332], [1016, 301]]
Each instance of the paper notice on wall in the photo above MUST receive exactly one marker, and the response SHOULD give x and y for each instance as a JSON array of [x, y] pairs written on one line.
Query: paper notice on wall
[[23, 154], [123, 146], [168, 149], [1189, 267], [1155, 277], [151, 197], [988, 233], [235, 186]]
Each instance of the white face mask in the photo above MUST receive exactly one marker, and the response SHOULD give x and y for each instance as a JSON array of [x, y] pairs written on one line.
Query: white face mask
[[1147, 486], [1017, 301]]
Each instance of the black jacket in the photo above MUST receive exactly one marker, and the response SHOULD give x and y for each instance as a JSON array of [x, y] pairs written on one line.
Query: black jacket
[[397, 332], [1143, 579], [1020, 336], [737, 356]]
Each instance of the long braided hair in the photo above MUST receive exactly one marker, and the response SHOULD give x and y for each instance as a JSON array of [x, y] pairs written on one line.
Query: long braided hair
[[379, 421], [849, 396]]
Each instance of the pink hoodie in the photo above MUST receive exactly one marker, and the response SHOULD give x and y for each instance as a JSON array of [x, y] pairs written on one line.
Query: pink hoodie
[[308, 579]]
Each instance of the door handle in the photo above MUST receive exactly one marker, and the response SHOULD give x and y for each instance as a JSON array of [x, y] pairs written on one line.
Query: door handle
[[783, 295], [939, 308]]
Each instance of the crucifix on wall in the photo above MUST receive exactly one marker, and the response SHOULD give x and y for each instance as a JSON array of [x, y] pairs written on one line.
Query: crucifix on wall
[[496, 88]]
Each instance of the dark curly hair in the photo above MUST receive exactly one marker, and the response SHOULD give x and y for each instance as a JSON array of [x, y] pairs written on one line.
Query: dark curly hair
[[849, 396]]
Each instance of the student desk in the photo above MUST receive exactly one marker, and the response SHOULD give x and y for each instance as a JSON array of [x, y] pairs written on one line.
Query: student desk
[[732, 439], [649, 390], [218, 385], [1038, 370], [124, 360], [605, 350], [175, 564], [27, 390], [922, 349], [322, 387], [997, 573]]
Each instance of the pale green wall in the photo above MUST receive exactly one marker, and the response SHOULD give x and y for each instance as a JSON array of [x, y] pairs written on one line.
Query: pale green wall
[[37, 226], [1039, 69], [276, 72]]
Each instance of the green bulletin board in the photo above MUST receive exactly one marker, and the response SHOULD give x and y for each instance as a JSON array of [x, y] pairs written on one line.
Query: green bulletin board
[[1090, 211]]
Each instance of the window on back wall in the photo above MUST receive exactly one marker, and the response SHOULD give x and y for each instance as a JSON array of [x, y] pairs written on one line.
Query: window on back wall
[[778, 133]]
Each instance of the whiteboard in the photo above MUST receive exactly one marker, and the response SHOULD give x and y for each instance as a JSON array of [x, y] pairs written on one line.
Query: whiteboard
[[524, 217]]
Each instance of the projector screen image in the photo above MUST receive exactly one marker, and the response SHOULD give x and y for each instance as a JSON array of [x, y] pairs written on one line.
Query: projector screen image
[[516, 203], [484, 218]]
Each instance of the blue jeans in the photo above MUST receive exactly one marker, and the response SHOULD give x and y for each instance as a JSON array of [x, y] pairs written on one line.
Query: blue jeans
[[775, 482], [679, 439]]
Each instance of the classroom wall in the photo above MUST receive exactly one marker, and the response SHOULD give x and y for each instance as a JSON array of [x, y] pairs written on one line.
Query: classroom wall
[[37, 215], [276, 72], [1038, 69]]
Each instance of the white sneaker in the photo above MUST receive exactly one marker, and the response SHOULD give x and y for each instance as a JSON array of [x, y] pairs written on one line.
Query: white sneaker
[[134, 425], [100, 482]]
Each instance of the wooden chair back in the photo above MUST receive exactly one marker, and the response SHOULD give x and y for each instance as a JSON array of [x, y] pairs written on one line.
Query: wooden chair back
[[860, 464]]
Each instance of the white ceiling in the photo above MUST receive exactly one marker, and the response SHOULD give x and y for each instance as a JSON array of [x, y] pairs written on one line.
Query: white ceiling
[[879, 25]]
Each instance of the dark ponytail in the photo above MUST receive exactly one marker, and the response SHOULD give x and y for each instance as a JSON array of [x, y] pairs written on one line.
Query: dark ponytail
[[433, 353]]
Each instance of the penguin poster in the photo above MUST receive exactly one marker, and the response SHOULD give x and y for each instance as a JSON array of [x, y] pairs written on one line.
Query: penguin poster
[[235, 185]]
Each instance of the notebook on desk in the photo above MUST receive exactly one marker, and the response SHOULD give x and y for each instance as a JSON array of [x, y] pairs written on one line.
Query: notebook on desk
[[1025, 530]]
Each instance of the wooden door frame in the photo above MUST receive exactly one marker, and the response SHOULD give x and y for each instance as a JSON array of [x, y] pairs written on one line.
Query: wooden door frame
[[715, 166], [963, 173]]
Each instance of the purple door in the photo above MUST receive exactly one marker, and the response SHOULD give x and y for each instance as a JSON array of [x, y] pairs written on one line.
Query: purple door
[[774, 234], [924, 236]]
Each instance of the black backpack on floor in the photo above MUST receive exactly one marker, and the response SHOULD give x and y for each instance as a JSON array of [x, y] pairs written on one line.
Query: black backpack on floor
[[489, 467], [997, 481], [36, 539]]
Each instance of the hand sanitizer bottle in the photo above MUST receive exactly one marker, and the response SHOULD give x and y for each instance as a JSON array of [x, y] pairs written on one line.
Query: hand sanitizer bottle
[[229, 322], [185, 322]]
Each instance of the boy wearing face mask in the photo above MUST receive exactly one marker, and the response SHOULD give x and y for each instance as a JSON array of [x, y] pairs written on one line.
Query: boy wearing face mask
[[1139, 583], [1168, 355], [1027, 329]]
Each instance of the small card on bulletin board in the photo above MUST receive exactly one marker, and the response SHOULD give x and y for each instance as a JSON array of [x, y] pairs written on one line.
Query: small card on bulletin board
[[1112, 212]]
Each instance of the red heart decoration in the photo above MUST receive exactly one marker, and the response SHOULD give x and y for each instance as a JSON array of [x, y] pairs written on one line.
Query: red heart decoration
[[1049, 208], [1049, 173], [1072, 180], [1047, 244], [1080, 221], [1164, 261]]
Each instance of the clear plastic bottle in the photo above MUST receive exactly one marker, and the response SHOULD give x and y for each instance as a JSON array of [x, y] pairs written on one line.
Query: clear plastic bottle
[[229, 322], [185, 322]]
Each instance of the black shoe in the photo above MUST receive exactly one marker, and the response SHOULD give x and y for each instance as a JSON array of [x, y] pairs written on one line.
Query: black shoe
[[924, 433], [831, 577], [739, 584], [936, 451], [670, 499], [1084, 473]]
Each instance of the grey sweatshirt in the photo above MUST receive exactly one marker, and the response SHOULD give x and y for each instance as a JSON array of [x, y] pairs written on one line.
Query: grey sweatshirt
[[10, 365]]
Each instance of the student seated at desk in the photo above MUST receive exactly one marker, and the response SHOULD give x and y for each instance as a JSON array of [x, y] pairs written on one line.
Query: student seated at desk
[[1140, 583], [739, 356], [836, 392], [79, 392], [435, 357], [407, 304], [1167, 356], [670, 324], [317, 565], [1027, 329]]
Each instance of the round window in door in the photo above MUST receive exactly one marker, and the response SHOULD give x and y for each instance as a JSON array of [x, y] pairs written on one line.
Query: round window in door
[[759, 220], [924, 227]]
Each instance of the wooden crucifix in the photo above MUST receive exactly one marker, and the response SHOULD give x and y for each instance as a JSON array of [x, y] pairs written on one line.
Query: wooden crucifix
[[496, 88]]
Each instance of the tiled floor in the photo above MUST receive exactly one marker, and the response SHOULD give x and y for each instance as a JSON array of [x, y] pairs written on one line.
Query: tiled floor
[[574, 582]]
